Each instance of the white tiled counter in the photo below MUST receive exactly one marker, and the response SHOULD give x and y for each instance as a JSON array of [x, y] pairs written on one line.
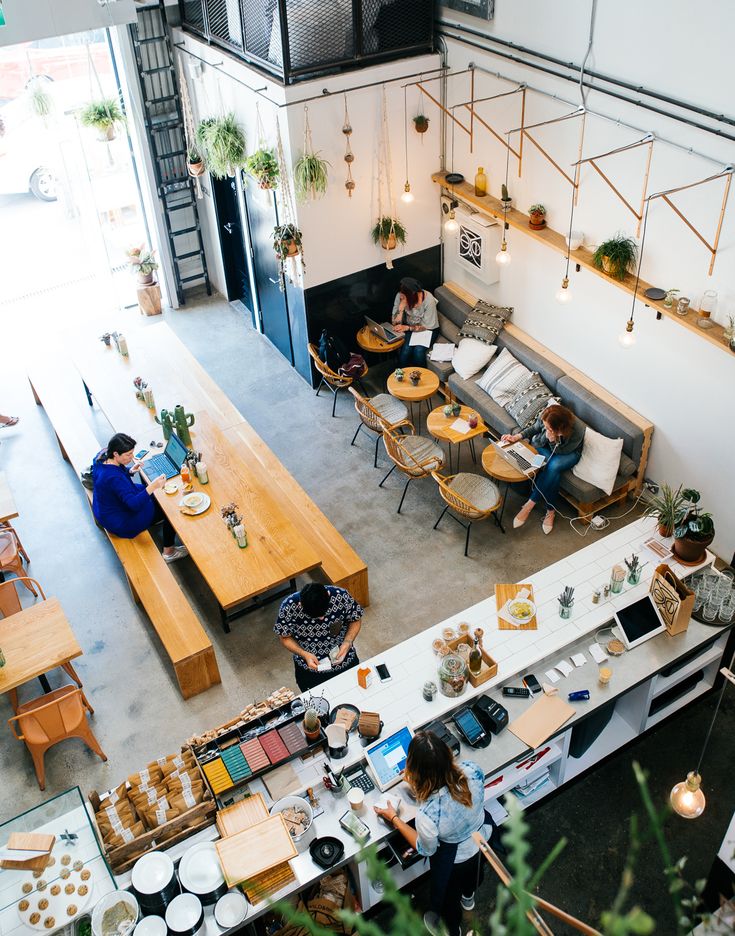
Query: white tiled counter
[[633, 687]]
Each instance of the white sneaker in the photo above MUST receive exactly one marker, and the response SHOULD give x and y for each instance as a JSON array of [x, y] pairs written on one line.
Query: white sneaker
[[178, 553], [468, 903], [434, 924]]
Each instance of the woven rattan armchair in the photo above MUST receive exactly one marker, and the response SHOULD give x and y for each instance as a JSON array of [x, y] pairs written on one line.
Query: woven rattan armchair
[[330, 378], [378, 413], [471, 496], [415, 455]]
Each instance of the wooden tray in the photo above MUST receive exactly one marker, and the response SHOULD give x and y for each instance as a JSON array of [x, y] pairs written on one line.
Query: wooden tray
[[504, 593], [242, 815], [30, 841], [489, 666], [254, 850]]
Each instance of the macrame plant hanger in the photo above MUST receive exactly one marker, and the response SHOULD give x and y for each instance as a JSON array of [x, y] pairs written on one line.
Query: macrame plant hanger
[[287, 213], [384, 164], [349, 156], [189, 131], [93, 74]]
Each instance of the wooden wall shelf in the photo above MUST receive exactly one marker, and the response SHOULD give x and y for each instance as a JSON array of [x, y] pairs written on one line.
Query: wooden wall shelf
[[518, 220]]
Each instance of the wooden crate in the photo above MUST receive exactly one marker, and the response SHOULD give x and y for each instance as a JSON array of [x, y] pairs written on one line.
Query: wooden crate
[[489, 666]]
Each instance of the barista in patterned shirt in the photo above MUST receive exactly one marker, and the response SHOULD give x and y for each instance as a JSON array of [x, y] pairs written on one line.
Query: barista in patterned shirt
[[315, 621]]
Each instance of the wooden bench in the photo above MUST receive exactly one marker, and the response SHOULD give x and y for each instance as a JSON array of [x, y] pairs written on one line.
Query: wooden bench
[[60, 391]]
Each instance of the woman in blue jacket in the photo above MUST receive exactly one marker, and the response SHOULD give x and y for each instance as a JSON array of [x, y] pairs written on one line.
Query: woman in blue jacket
[[123, 507]]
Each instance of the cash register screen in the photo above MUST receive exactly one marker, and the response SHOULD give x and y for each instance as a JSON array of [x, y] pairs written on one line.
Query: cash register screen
[[387, 758]]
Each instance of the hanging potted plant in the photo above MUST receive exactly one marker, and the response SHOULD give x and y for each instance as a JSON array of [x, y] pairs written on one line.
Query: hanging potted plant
[[105, 115], [222, 144], [389, 232], [537, 217], [142, 262], [694, 530], [616, 256], [505, 198], [667, 507], [310, 177], [421, 123], [195, 163], [287, 243], [262, 165], [40, 102]]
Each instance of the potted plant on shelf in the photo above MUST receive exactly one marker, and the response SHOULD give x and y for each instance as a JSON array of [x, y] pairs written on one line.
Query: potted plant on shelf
[[262, 165], [194, 163], [388, 232], [105, 115], [222, 144], [421, 123], [505, 198], [142, 262], [310, 176], [694, 531], [667, 507], [616, 256], [537, 217]]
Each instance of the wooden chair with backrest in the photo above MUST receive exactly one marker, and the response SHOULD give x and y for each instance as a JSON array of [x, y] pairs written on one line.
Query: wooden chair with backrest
[[10, 605], [377, 413], [332, 379], [415, 455], [12, 554], [469, 495], [50, 719]]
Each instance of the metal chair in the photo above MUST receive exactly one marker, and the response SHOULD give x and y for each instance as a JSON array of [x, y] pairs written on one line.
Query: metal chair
[[377, 413], [469, 495], [330, 378], [52, 718], [12, 554], [414, 455]]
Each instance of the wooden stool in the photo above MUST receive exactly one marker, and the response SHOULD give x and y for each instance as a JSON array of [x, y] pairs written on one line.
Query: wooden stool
[[149, 299]]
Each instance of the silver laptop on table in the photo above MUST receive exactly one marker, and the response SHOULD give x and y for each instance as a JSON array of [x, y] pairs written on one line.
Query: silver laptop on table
[[383, 331], [518, 456]]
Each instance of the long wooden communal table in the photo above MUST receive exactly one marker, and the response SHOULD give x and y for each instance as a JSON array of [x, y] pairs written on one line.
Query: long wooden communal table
[[305, 537]]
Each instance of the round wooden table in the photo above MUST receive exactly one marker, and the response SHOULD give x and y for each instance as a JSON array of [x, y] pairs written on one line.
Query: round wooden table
[[440, 426], [501, 470], [368, 341], [404, 390]]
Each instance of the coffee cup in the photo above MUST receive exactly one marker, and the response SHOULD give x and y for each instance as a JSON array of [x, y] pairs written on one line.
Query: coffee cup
[[356, 797]]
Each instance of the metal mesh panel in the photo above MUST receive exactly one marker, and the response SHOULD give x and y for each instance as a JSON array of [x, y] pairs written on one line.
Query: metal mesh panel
[[223, 18], [193, 14], [318, 33], [258, 17], [395, 24]]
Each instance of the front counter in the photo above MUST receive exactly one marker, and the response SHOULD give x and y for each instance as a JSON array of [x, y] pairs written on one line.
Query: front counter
[[648, 684]]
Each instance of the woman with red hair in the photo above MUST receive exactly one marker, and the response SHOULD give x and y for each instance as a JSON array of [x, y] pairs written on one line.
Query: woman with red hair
[[557, 435], [414, 310]]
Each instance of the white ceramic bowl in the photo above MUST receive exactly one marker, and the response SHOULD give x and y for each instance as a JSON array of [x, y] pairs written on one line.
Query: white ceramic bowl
[[302, 841], [575, 241], [193, 500], [152, 873], [522, 619], [185, 914], [151, 926], [109, 900], [231, 909]]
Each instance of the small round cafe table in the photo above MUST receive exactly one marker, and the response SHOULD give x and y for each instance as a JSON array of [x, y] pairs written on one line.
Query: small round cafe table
[[440, 426], [419, 392]]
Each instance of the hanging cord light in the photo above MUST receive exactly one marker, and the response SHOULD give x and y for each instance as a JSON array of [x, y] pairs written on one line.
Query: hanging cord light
[[564, 294], [450, 225], [687, 799], [503, 257], [627, 338], [407, 196]]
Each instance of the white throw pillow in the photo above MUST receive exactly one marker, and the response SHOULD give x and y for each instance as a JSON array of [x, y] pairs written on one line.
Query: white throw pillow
[[470, 356], [600, 460], [504, 378]]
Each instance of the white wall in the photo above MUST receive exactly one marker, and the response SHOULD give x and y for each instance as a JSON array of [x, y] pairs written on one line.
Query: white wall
[[39, 19], [682, 383]]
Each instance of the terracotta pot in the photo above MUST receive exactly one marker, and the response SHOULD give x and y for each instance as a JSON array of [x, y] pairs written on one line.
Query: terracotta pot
[[107, 134], [536, 221], [312, 736], [264, 184], [388, 243], [689, 551], [145, 279], [664, 530], [421, 127], [196, 169], [293, 247]]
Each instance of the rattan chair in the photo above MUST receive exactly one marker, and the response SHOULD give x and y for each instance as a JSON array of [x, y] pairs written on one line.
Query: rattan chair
[[332, 379], [415, 455], [471, 496], [375, 414]]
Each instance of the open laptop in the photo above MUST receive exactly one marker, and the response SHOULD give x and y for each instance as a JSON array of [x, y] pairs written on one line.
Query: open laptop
[[383, 331], [169, 463], [519, 456]]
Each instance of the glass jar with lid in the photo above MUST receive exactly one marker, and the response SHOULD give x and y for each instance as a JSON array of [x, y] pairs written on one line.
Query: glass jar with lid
[[452, 673]]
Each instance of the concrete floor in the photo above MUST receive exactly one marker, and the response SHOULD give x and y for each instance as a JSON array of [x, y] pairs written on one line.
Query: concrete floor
[[417, 577]]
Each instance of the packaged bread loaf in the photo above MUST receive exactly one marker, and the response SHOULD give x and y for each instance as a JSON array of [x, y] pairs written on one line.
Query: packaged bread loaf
[[143, 797], [148, 777], [183, 761], [119, 793], [185, 799], [113, 818], [125, 836], [158, 814]]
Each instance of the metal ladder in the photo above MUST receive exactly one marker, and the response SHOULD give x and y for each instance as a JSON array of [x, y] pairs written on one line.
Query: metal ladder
[[164, 125]]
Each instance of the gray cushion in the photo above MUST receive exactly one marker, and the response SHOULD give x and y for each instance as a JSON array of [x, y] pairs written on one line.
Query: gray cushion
[[467, 392], [601, 416], [549, 372], [451, 306], [485, 321], [528, 402], [422, 448], [391, 409], [478, 490], [442, 369], [448, 329], [585, 492], [627, 467]]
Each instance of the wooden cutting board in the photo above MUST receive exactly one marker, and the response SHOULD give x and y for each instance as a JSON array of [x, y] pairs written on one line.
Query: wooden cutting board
[[241, 815], [254, 850], [504, 593], [282, 781], [29, 841]]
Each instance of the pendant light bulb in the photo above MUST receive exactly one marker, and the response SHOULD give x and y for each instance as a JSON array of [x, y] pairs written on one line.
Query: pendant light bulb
[[564, 293], [687, 799], [627, 338], [503, 257], [450, 224], [407, 196]]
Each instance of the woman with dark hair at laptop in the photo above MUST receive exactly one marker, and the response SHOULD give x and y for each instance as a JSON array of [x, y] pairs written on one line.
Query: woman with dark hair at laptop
[[123, 507], [414, 310]]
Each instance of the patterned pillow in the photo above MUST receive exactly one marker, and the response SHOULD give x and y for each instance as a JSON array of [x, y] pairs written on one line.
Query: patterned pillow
[[504, 378], [530, 400], [485, 322]]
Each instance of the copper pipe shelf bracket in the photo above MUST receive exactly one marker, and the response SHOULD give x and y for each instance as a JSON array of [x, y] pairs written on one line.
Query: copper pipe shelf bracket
[[523, 130], [471, 106], [648, 140]]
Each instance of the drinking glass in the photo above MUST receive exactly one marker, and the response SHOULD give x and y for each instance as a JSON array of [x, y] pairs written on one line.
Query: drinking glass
[[711, 609], [698, 602], [704, 588], [723, 588], [707, 306], [727, 610]]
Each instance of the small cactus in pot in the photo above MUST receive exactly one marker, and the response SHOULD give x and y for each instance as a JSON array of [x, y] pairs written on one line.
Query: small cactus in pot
[[312, 726]]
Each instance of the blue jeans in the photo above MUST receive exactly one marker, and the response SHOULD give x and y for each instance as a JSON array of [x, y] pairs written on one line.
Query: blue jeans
[[411, 355], [546, 485]]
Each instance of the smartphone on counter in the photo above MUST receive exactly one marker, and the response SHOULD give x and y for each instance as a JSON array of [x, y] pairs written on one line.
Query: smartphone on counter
[[530, 682], [141, 454], [383, 674]]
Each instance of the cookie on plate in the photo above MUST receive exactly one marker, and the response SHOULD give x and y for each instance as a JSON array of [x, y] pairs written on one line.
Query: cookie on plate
[[41, 885], [49, 922], [78, 865], [82, 890], [51, 862], [23, 905], [86, 874], [55, 890], [64, 873], [27, 887], [66, 859], [43, 904], [37, 874], [69, 889], [34, 918], [71, 910]]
